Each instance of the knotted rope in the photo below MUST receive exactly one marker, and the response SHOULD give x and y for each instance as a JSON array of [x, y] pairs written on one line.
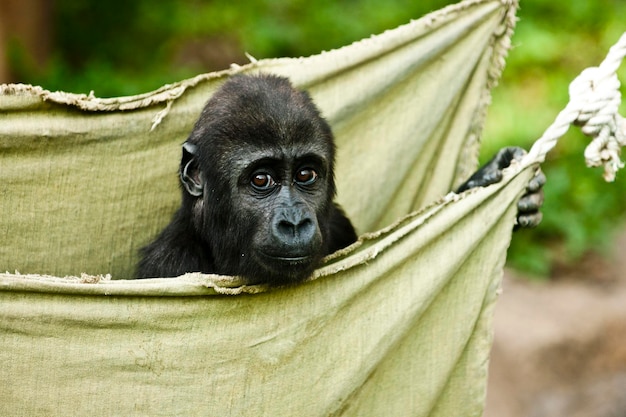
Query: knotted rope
[[593, 105]]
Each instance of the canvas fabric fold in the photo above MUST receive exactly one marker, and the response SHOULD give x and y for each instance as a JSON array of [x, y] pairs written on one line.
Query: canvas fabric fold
[[405, 332], [396, 325]]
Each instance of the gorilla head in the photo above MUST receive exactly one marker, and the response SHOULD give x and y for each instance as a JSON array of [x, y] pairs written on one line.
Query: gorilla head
[[258, 188]]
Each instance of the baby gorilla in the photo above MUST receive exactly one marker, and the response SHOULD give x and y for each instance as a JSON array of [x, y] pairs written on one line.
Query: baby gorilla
[[258, 189]]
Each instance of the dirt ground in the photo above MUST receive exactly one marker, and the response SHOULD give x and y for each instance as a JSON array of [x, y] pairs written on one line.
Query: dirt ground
[[560, 346]]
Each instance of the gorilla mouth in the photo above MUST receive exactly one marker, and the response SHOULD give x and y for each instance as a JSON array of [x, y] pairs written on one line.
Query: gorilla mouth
[[289, 264], [282, 269], [290, 260]]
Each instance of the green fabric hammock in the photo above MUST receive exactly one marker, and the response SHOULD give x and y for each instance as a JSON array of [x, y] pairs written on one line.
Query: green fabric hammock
[[398, 324]]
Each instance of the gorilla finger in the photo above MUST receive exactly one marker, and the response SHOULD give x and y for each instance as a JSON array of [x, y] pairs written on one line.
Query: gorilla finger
[[481, 178], [489, 177], [537, 182], [510, 154], [530, 202], [529, 221]]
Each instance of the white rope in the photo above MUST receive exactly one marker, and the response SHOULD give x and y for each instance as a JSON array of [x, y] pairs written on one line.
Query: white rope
[[593, 105]]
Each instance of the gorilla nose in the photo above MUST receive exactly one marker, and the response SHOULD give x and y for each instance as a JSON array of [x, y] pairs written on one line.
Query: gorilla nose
[[300, 230], [293, 227]]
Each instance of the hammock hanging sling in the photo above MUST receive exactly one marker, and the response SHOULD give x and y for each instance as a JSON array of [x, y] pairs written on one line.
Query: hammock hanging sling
[[398, 324]]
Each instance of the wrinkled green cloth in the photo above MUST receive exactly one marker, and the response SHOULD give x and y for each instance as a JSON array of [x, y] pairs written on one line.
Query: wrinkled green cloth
[[396, 325]]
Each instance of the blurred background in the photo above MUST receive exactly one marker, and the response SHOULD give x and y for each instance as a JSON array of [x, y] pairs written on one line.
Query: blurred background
[[560, 345]]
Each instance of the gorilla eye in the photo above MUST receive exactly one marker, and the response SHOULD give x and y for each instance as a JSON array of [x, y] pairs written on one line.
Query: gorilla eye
[[262, 181], [306, 176]]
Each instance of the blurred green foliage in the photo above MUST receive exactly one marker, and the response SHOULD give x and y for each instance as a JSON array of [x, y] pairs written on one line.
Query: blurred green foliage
[[127, 47], [121, 48], [553, 42]]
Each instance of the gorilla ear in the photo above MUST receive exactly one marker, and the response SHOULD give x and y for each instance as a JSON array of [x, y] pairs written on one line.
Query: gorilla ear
[[189, 172]]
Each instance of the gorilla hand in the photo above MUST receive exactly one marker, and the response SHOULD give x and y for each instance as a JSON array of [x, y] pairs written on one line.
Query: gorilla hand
[[529, 205]]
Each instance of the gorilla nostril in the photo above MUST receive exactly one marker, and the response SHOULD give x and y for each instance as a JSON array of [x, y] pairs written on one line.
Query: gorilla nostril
[[306, 228], [286, 228]]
